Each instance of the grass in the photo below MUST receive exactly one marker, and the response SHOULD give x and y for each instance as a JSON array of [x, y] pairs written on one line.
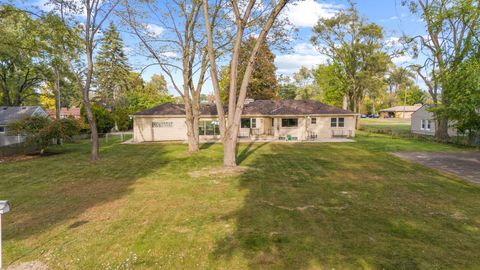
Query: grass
[[386, 125], [295, 206]]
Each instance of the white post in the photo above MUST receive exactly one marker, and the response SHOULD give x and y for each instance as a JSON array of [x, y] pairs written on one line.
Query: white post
[[0, 241], [4, 208]]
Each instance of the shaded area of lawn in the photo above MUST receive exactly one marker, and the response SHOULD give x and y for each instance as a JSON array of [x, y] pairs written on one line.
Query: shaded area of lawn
[[345, 206], [299, 206]]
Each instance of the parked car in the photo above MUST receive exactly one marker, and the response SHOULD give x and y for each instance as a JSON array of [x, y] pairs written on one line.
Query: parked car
[[363, 116], [373, 116]]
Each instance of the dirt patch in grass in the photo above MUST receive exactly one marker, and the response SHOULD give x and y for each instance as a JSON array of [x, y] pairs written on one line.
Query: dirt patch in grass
[[33, 265], [16, 158], [219, 172]]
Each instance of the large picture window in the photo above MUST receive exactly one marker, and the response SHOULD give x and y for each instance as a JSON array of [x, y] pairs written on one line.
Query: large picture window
[[289, 122], [208, 128]]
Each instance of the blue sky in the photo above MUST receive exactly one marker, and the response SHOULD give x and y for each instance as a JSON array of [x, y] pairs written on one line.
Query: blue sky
[[390, 14]]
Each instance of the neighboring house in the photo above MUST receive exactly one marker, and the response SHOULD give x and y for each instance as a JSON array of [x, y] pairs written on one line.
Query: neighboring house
[[9, 114], [297, 120], [399, 111], [423, 122], [66, 113]]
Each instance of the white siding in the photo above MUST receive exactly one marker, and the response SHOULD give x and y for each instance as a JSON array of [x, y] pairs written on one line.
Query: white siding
[[173, 129], [424, 114]]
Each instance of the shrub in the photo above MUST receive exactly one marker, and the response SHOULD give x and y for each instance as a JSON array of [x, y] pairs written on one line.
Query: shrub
[[103, 118], [40, 132]]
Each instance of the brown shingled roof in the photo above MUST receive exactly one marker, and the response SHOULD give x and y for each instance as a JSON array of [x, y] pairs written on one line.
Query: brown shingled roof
[[257, 107]]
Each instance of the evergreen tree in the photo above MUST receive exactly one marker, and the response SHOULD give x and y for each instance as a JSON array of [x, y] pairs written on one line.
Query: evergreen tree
[[112, 69], [263, 83]]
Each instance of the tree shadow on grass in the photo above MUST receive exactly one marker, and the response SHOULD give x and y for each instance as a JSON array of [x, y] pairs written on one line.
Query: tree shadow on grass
[[325, 207], [47, 191], [249, 150]]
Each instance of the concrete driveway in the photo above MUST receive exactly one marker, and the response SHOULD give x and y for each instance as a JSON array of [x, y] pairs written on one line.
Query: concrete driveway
[[463, 164]]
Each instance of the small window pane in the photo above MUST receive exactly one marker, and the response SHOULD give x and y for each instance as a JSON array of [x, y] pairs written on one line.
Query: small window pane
[[314, 121], [254, 122], [245, 123], [201, 128], [209, 128], [2, 129], [428, 124], [333, 122], [341, 122], [423, 124]]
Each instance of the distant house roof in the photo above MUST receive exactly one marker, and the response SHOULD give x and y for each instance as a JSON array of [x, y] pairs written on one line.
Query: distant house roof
[[9, 114], [66, 112], [257, 107], [403, 108]]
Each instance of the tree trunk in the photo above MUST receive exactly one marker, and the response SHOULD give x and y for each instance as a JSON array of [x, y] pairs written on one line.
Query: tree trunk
[[58, 106], [192, 130], [93, 129], [230, 152], [441, 131], [345, 102]]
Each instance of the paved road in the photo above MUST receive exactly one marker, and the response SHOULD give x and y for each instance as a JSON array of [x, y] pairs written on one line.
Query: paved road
[[463, 164]]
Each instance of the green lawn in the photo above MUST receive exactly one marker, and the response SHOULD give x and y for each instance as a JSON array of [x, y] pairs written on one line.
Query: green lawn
[[386, 125], [299, 206]]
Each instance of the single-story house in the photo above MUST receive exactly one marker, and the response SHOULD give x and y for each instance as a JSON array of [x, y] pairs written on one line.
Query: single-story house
[[66, 113], [399, 111], [9, 114], [423, 122], [296, 120]]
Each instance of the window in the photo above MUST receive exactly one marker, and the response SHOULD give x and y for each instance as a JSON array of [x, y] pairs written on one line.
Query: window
[[2, 129], [245, 123], [273, 122], [428, 124], [208, 128], [337, 122], [333, 122], [253, 121], [313, 121], [423, 125], [289, 122]]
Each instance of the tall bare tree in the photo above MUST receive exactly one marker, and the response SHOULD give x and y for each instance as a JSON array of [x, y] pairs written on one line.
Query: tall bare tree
[[452, 32], [244, 17], [94, 14], [180, 47]]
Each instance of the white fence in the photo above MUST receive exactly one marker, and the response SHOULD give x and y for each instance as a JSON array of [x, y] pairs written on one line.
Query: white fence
[[10, 140]]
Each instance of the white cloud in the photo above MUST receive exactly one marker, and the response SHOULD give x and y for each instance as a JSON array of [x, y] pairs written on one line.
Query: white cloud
[[44, 5], [402, 60], [304, 55], [306, 13], [154, 30]]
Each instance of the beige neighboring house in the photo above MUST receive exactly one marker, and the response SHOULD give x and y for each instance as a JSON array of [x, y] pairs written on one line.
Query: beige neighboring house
[[400, 111], [295, 120], [423, 122]]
